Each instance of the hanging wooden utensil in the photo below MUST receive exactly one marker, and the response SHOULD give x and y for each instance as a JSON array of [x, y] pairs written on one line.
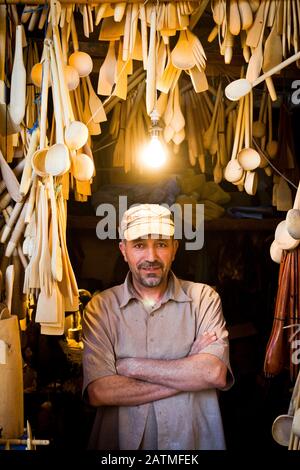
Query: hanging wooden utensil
[[11, 182], [81, 61], [151, 66], [7, 126], [18, 81], [107, 72], [96, 106], [234, 18]]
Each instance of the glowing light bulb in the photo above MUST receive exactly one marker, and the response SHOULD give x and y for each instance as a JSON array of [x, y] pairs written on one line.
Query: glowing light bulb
[[154, 154]]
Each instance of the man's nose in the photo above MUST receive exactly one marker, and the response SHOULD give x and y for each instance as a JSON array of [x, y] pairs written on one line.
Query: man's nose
[[151, 254]]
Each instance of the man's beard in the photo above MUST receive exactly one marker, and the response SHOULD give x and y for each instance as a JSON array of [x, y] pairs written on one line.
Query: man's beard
[[153, 279]]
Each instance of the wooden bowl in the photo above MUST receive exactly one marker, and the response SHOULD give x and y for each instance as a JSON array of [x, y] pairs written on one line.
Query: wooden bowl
[[76, 135]]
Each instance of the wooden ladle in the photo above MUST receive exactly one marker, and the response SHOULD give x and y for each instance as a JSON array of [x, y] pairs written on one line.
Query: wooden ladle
[[275, 252], [272, 145], [248, 158], [281, 429], [57, 160], [233, 171], [283, 238], [81, 61], [38, 157]]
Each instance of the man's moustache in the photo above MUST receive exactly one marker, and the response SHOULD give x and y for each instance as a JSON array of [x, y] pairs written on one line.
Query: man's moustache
[[149, 265]]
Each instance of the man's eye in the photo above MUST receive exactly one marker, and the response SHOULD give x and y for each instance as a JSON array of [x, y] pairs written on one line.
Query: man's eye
[[138, 245], [162, 245]]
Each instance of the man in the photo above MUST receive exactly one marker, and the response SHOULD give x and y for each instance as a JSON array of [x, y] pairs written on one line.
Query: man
[[155, 348]]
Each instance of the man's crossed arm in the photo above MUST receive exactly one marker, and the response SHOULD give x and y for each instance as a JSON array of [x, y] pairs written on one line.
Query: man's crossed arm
[[142, 381]]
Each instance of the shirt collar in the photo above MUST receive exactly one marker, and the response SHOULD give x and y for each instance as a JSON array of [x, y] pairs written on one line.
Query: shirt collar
[[174, 291]]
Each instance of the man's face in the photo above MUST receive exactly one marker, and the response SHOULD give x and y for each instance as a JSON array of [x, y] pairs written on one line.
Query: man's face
[[149, 259]]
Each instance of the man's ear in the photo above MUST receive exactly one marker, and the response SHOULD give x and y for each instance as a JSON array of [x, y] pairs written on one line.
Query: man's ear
[[123, 249]]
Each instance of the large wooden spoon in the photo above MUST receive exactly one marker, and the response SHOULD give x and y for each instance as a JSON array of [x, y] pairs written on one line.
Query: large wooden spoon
[[238, 88]]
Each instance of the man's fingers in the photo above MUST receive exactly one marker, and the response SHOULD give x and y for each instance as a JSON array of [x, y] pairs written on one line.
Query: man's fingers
[[203, 341], [209, 333]]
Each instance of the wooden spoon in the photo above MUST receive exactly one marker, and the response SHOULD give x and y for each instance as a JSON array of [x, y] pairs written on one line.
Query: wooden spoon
[[245, 14], [45, 259], [272, 50], [144, 35], [151, 66], [233, 171], [248, 158], [208, 135], [182, 56], [234, 18], [235, 90], [178, 121], [255, 31], [272, 145], [256, 60], [9, 285], [18, 81]]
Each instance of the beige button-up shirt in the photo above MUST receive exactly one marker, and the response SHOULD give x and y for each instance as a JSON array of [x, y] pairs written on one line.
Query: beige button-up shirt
[[118, 325]]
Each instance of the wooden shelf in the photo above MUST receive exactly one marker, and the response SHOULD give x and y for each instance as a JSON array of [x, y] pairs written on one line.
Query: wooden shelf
[[231, 224], [89, 222]]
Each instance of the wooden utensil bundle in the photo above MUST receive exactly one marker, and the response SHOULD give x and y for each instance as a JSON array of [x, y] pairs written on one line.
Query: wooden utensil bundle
[[269, 28], [286, 314], [49, 273]]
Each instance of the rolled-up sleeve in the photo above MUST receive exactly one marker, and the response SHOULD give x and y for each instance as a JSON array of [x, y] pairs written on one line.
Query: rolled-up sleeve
[[210, 318], [98, 353]]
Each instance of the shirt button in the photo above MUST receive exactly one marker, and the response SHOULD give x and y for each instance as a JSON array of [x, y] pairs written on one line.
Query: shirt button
[[152, 314]]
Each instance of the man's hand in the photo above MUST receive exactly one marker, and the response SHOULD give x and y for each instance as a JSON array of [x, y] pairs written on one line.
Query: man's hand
[[126, 366], [202, 342]]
